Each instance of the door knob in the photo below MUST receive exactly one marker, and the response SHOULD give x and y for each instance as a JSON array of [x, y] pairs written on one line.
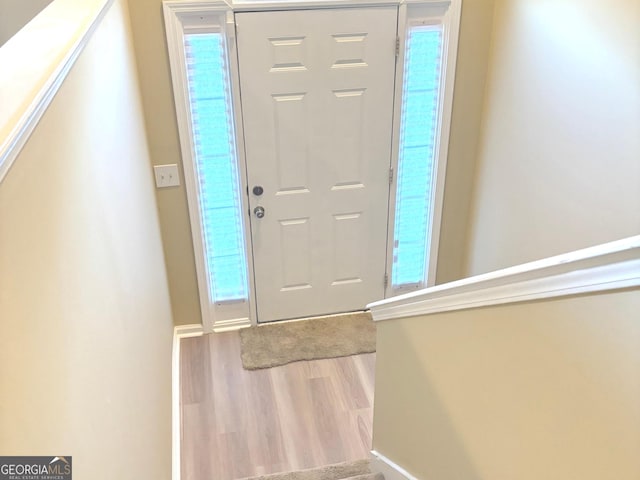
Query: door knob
[[258, 190], [259, 211]]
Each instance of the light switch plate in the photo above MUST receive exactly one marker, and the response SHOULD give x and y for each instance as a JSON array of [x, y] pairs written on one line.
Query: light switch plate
[[166, 175]]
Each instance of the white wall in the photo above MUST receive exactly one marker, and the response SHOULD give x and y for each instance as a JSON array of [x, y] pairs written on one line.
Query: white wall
[[559, 158], [15, 14], [85, 319]]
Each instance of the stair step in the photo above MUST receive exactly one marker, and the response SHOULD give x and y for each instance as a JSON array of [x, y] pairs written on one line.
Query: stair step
[[358, 470], [368, 476]]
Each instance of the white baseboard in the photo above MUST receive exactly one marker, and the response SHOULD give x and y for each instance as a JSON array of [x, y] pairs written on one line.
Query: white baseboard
[[230, 325], [179, 332], [184, 331], [390, 470], [175, 407]]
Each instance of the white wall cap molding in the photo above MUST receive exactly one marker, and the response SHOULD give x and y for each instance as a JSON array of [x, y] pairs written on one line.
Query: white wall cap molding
[[34, 64], [605, 267]]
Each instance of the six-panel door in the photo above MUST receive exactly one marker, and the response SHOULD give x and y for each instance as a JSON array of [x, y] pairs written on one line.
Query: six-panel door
[[317, 101]]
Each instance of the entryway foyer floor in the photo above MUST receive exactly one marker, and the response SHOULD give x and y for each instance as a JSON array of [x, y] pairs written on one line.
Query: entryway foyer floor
[[238, 423]]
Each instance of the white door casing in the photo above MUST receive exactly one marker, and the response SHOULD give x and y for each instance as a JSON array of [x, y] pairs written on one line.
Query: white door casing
[[182, 15], [317, 91]]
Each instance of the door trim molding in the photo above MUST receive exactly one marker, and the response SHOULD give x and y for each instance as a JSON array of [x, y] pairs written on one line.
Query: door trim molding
[[175, 11], [310, 5], [176, 14], [451, 22]]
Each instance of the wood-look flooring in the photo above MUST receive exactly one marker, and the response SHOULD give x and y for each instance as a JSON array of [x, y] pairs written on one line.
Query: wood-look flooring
[[238, 423]]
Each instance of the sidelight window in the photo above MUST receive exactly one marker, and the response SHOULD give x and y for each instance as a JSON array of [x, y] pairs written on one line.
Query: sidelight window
[[216, 167], [417, 155]]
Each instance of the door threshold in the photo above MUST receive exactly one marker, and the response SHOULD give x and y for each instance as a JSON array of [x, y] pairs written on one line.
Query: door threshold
[[315, 317]]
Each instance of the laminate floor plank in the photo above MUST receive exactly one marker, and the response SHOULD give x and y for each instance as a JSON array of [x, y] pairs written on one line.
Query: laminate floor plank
[[351, 385], [293, 401], [238, 423], [365, 365], [194, 366], [198, 445], [264, 431], [228, 382]]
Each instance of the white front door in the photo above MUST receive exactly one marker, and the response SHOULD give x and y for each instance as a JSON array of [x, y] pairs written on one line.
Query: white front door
[[317, 100]]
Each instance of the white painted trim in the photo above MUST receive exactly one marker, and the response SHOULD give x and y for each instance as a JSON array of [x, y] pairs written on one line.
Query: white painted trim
[[309, 5], [175, 8], [401, 38], [174, 33], [175, 407], [186, 331], [176, 14], [234, 74], [391, 471], [175, 11], [233, 324], [451, 24], [253, 5], [179, 332], [605, 267], [13, 143]]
